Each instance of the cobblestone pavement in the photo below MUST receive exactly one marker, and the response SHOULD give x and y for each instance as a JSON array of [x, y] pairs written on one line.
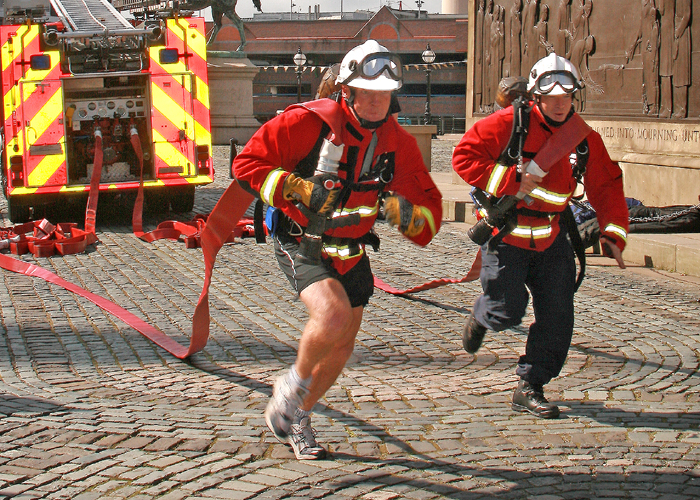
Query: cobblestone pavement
[[90, 409]]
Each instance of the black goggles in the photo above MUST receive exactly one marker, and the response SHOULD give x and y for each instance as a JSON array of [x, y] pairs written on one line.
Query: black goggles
[[374, 65], [548, 82]]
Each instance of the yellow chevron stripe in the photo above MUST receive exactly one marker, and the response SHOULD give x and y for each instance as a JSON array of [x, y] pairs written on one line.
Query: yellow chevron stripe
[[175, 68], [25, 34], [172, 111], [45, 169], [202, 90], [29, 87], [203, 136], [23, 190], [72, 189], [40, 75], [199, 179], [11, 100], [48, 113], [195, 40], [177, 116], [202, 94], [170, 154]]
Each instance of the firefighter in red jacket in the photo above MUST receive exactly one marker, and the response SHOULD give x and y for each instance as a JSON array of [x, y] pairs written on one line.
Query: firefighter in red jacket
[[536, 255], [324, 166]]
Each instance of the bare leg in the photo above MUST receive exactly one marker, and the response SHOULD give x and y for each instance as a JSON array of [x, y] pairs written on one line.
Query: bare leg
[[328, 338]]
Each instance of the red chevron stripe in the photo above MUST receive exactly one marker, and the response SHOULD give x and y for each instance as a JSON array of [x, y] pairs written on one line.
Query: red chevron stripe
[[38, 99], [170, 132], [195, 63]]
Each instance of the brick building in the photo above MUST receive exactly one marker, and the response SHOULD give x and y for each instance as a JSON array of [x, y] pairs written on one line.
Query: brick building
[[272, 39], [272, 43]]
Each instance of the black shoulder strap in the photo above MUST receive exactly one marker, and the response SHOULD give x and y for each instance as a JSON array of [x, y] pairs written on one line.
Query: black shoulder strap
[[569, 222], [521, 122], [306, 167], [258, 221]]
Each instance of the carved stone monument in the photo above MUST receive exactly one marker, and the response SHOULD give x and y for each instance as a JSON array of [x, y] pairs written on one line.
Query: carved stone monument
[[641, 75]]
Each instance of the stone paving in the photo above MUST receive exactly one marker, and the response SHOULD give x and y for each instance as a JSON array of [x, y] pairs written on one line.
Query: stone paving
[[90, 409]]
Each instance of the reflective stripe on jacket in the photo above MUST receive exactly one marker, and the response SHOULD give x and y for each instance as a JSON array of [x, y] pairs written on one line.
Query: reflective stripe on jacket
[[474, 160], [281, 144]]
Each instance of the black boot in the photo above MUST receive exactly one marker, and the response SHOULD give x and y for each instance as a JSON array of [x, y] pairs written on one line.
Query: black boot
[[473, 335], [529, 397]]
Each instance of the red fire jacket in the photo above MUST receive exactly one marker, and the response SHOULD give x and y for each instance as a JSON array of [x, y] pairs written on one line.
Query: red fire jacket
[[474, 159], [280, 144]]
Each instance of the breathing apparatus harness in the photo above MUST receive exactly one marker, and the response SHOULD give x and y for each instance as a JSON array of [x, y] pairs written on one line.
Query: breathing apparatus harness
[[501, 213], [381, 174]]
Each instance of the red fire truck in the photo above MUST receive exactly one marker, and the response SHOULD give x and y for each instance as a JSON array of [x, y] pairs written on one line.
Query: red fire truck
[[80, 85]]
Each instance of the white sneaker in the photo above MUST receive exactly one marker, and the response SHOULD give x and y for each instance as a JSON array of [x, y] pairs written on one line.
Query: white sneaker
[[302, 439], [286, 398]]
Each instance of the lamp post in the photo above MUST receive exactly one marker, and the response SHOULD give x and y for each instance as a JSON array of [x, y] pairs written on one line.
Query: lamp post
[[428, 58], [299, 60]]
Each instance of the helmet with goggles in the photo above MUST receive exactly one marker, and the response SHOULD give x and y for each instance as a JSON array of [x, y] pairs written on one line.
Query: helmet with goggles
[[554, 75], [371, 66]]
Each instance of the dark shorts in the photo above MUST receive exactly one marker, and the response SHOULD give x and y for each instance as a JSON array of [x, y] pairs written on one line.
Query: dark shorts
[[358, 282]]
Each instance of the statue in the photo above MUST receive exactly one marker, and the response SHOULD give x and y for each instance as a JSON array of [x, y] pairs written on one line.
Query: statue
[[541, 33], [514, 47], [681, 58], [647, 39], [487, 95], [560, 27], [219, 9]]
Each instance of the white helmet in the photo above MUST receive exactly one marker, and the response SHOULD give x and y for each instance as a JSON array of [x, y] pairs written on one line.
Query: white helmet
[[371, 66], [554, 75]]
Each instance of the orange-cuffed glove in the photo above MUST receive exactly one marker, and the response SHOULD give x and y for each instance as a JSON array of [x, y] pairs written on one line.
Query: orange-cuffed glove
[[398, 211], [312, 192]]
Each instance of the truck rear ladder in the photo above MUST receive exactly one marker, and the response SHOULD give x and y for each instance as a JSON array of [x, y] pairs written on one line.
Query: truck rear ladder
[[90, 15]]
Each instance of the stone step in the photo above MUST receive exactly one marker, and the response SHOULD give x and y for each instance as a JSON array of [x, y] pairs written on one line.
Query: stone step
[[678, 253]]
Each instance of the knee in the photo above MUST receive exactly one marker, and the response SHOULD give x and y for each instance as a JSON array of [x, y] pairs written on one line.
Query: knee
[[331, 316]]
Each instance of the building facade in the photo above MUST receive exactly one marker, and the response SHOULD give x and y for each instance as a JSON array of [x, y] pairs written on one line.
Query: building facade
[[272, 40], [272, 43]]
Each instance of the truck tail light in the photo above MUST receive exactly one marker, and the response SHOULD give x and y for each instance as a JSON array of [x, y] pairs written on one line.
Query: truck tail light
[[16, 171], [203, 159]]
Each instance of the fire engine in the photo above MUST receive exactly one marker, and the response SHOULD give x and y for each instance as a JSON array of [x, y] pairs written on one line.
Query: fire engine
[[79, 79]]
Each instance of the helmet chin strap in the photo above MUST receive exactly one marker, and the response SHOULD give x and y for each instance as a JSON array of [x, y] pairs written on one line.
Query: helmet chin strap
[[363, 123]]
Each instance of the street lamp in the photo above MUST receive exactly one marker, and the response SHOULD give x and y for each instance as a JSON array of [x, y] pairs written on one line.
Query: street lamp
[[299, 60], [428, 58]]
